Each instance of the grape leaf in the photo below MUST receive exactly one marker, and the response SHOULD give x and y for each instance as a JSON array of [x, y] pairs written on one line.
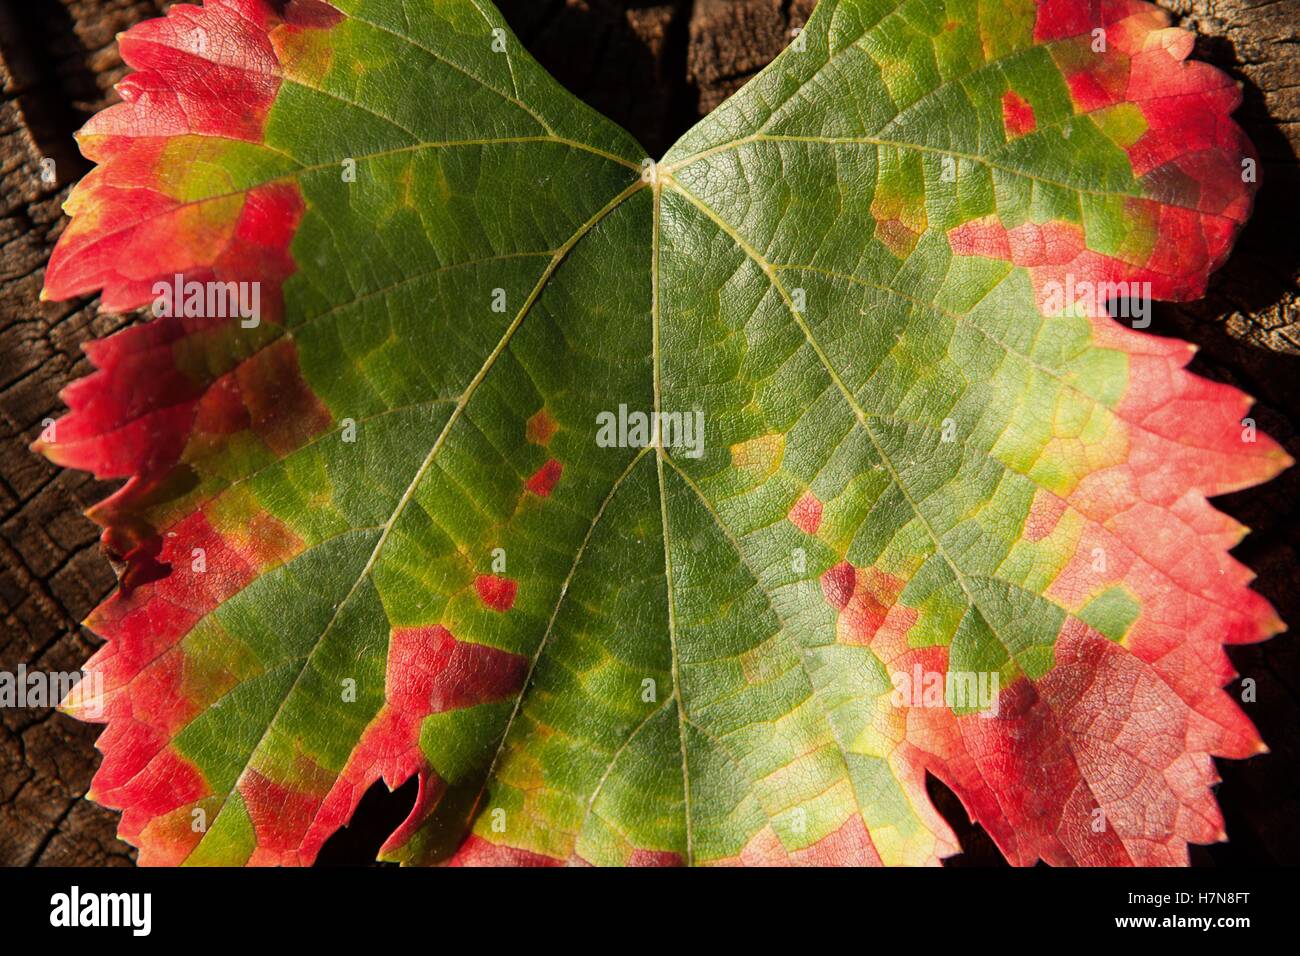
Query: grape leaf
[[688, 511]]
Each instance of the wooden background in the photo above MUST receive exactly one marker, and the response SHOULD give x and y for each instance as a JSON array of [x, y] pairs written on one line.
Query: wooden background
[[655, 68]]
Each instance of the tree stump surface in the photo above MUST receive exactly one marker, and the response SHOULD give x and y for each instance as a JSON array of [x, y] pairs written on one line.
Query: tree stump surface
[[655, 68]]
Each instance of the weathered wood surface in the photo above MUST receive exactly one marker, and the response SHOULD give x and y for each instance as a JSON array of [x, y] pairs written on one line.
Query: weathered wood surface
[[654, 67]]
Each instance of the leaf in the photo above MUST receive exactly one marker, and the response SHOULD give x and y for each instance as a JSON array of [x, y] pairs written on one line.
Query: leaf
[[381, 532]]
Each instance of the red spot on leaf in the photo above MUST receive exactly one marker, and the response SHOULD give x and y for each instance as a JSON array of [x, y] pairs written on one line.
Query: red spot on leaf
[[1017, 114], [541, 428], [496, 592], [544, 480], [838, 584], [806, 514]]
